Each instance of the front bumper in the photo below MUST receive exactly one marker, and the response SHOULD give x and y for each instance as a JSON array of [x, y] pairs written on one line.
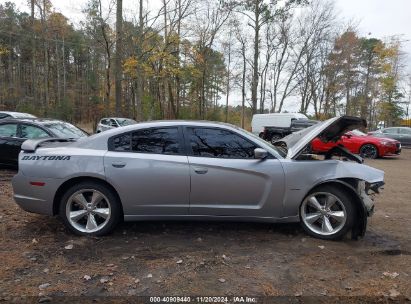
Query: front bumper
[[394, 149], [367, 192]]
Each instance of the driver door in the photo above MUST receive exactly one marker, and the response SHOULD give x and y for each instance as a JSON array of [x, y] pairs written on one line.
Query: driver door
[[226, 179]]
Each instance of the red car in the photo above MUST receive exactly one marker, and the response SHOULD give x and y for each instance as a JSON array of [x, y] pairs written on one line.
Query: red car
[[359, 143]]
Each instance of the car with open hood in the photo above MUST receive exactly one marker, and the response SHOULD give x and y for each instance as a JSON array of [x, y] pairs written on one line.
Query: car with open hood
[[178, 170]]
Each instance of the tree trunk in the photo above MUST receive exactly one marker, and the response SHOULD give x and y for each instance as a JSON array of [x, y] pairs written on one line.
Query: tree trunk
[[254, 86], [33, 55], [119, 50]]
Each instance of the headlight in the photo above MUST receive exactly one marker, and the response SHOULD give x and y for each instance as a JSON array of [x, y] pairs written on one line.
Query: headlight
[[386, 143]]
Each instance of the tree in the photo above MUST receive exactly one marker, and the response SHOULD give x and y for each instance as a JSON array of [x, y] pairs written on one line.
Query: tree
[[118, 59]]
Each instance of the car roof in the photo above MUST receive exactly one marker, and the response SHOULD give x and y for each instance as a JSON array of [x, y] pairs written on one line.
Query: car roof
[[100, 139], [39, 121], [16, 113], [117, 118]]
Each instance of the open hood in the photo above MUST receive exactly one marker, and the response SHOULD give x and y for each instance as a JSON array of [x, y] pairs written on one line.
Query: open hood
[[329, 130]]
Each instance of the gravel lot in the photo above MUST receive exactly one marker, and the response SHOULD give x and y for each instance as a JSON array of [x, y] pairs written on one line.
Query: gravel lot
[[40, 258]]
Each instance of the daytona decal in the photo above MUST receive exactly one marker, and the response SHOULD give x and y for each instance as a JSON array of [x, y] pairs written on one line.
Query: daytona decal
[[36, 157]]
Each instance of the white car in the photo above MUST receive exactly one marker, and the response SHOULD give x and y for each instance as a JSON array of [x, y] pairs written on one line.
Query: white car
[[113, 122], [8, 114], [278, 120]]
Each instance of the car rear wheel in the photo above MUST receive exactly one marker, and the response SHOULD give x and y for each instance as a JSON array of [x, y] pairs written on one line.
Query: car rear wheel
[[90, 208], [327, 213], [369, 151]]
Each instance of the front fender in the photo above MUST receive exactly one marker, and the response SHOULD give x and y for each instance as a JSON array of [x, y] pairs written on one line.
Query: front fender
[[360, 224]]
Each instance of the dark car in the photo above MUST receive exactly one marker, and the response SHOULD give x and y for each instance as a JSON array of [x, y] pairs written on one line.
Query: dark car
[[13, 132], [402, 134], [273, 134]]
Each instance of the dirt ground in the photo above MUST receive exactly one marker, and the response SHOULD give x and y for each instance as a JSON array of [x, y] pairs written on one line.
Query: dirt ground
[[39, 257]]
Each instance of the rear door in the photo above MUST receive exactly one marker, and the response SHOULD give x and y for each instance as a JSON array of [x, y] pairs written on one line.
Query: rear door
[[10, 144], [226, 180], [150, 171], [405, 136]]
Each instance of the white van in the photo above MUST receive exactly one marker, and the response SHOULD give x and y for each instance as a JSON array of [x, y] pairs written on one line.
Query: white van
[[279, 120]]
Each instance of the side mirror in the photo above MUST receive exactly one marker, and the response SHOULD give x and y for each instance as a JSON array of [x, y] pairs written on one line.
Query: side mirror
[[348, 135], [260, 153]]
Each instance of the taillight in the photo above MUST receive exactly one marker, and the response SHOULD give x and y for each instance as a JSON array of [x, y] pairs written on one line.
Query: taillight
[[39, 184]]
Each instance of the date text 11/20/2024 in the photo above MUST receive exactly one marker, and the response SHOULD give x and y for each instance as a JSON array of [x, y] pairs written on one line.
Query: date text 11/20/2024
[[205, 299]]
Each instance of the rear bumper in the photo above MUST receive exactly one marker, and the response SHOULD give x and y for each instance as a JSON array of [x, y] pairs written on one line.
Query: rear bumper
[[35, 199]]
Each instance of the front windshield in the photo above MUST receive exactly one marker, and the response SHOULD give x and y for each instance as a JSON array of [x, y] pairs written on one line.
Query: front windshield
[[125, 122], [357, 133], [65, 130]]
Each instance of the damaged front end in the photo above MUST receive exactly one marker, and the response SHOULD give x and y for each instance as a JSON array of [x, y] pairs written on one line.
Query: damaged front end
[[367, 193]]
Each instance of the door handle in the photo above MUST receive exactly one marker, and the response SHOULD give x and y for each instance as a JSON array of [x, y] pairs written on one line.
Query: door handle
[[118, 164], [200, 170]]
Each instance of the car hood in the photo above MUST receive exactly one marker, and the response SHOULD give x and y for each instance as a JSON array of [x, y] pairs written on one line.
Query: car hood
[[329, 130]]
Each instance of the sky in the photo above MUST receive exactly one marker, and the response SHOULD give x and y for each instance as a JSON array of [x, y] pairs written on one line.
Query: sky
[[376, 18], [380, 18]]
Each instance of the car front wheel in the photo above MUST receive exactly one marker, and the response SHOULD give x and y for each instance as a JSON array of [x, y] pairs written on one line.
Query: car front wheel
[[369, 151], [327, 213], [90, 208]]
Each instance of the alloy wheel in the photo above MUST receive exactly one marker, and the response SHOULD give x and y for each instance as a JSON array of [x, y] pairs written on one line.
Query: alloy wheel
[[88, 210], [323, 213], [369, 151]]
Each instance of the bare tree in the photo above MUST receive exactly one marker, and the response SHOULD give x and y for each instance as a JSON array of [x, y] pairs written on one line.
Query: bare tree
[[118, 73]]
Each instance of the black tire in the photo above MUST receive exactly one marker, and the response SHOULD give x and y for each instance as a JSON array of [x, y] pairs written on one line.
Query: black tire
[[350, 212], [113, 203], [369, 151]]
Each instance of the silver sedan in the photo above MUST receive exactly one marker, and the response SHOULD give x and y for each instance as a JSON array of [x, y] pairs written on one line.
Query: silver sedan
[[174, 170]]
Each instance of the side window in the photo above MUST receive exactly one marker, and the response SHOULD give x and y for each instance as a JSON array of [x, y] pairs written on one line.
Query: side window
[[113, 123], [8, 130], [122, 143], [2, 115], [156, 141], [405, 131], [220, 143], [32, 132], [390, 131], [103, 121]]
